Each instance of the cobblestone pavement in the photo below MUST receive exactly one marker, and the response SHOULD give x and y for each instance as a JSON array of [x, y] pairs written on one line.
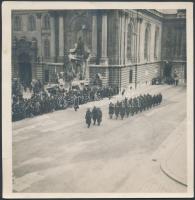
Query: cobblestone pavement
[[56, 152]]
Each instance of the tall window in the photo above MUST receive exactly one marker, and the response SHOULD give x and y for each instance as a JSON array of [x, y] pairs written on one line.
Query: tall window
[[46, 48], [130, 76], [147, 42], [31, 23], [17, 22], [46, 22], [156, 42], [130, 42]]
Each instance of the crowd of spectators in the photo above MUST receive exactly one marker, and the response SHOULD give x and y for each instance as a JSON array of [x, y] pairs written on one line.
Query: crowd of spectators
[[45, 101]]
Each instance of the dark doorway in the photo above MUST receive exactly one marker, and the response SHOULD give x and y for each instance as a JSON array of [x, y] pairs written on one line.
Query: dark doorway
[[25, 70], [131, 76], [167, 70]]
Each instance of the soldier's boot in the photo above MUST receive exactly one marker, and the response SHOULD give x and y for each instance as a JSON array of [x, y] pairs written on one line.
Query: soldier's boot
[[88, 125]]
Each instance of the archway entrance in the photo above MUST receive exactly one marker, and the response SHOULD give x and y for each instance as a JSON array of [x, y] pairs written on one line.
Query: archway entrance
[[25, 70]]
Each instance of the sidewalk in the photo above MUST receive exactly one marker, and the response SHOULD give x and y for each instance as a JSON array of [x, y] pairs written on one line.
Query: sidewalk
[[174, 159]]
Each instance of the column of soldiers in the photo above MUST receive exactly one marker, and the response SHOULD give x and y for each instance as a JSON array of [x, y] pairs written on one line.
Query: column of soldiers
[[132, 106]]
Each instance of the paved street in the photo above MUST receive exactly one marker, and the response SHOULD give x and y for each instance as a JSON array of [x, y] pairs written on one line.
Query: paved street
[[56, 152]]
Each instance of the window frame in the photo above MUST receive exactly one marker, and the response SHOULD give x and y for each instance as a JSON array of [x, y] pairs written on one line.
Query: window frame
[[46, 22], [147, 39], [156, 42], [31, 23], [17, 23], [130, 42]]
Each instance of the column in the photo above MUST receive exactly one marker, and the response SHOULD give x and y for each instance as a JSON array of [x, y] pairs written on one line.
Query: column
[[94, 39], [126, 31], [104, 58], [119, 38], [139, 38], [61, 36], [39, 66], [39, 38], [122, 38], [52, 40]]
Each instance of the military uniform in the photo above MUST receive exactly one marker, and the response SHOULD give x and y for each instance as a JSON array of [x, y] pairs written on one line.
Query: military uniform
[[88, 117], [94, 115], [122, 110], [111, 109], [117, 109], [99, 116]]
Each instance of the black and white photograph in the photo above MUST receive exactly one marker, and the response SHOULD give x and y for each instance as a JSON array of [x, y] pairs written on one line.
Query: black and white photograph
[[97, 99]]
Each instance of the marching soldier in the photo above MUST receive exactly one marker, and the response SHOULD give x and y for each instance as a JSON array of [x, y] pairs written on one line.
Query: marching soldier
[[88, 117], [122, 110], [127, 109], [99, 116], [94, 115], [111, 109], [135, 106], [117, 109], [130, 107]]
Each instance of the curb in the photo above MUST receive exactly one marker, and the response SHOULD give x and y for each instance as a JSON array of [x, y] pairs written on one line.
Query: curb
[[172, 177], [175, 152]]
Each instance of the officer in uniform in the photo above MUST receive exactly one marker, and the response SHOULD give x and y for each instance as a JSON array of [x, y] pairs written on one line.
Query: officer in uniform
[[122, 110], [127, 109], [111, 109], [135, 106], [88, 117], [117, 109], [99, 116], [94, 115]]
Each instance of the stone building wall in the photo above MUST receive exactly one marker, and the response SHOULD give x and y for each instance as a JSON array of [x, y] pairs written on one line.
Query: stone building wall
[[174, 43], [116, 40]]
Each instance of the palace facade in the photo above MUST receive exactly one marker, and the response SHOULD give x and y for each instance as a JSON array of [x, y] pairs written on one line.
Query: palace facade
[[126, 47]]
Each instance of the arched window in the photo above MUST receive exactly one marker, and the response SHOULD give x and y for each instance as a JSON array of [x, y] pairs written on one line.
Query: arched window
[[46, 22], [156, 42], [130, 42], [147, 43], [31, 23], [46, 48], [17, 22]]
